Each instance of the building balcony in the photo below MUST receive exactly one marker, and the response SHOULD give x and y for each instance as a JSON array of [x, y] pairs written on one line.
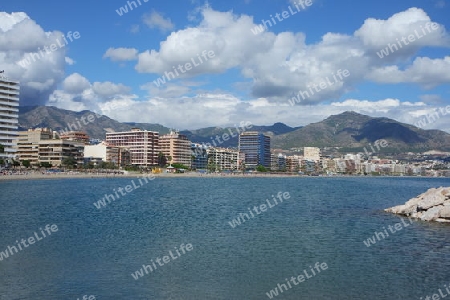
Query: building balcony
[[11, 125], [4, 116], [9, 84], [11, 104], [8, 96], [4, 134]]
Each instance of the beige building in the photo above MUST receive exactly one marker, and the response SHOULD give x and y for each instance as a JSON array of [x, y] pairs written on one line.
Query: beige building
[[55, 151], [293, 163], [28, 144], [143, 145], [178, 147], [311, 153], [223, 158]]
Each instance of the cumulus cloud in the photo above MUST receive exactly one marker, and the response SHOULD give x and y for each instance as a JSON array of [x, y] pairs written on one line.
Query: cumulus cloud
[[23, 58], [69, 61], [77, 93], [281, 65], [275, 66], [424, 71], [376, 34], [121, 54], [75, 84], [109, 89], [157, 20]]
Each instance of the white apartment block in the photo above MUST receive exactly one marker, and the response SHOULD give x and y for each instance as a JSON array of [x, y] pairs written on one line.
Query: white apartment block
[[9, 117], [223, 158]]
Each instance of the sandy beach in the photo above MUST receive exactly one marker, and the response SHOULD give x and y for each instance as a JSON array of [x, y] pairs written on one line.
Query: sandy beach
[[74, 175]]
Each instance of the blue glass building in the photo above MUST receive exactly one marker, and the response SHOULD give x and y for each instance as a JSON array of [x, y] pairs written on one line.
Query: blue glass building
[[256, 149]]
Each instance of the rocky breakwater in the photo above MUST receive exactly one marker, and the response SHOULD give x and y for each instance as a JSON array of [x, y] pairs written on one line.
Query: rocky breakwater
[[433, 205]]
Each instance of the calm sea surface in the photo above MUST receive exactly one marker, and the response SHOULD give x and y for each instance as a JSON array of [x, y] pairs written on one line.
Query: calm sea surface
[[95, 252]]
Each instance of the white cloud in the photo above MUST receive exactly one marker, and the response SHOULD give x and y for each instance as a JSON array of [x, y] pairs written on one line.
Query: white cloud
[[376, 34], [121, 54], [424, 71], [157, 20], [281, 65], [7, 21], [75, 84], [21, 40], [78, 93], [275, 66], [69, 61], [109, 89]]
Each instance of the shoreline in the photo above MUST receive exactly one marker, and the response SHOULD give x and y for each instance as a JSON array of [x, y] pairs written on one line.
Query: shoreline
[[135, 175], [74, 175]]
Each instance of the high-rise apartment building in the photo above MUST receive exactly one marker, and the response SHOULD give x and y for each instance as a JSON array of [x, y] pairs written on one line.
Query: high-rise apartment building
[[256, 148], [143, 145], [178, 147], [9, 117]]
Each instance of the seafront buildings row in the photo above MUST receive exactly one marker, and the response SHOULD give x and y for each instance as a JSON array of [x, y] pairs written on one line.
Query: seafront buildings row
[[42, 146], [147, 149], [142, 148]]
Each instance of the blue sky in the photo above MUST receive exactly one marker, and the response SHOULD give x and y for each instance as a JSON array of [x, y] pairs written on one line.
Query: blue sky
[[114, 66]]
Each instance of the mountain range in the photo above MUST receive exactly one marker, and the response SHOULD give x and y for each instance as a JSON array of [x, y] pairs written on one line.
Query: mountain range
[[349, 131]]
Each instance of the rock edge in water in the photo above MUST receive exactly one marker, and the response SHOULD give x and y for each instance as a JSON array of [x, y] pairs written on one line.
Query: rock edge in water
[[433, 205]]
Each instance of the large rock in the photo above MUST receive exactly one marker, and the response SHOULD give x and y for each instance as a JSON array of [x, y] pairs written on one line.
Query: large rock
[[446, 192], [432, 214], [432, 197], [445, 212], [403, 209], [433, 205]]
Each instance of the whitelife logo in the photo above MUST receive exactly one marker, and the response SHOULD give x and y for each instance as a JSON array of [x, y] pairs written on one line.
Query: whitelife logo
[[263, 207], [33, 57], [169, 75], [380, 235], [265, 24], [323, 84], [431, 118], [297, 280], [225, 136], [124, 9], [405, 41], [31, 240], [123, 191], [165, 260]]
